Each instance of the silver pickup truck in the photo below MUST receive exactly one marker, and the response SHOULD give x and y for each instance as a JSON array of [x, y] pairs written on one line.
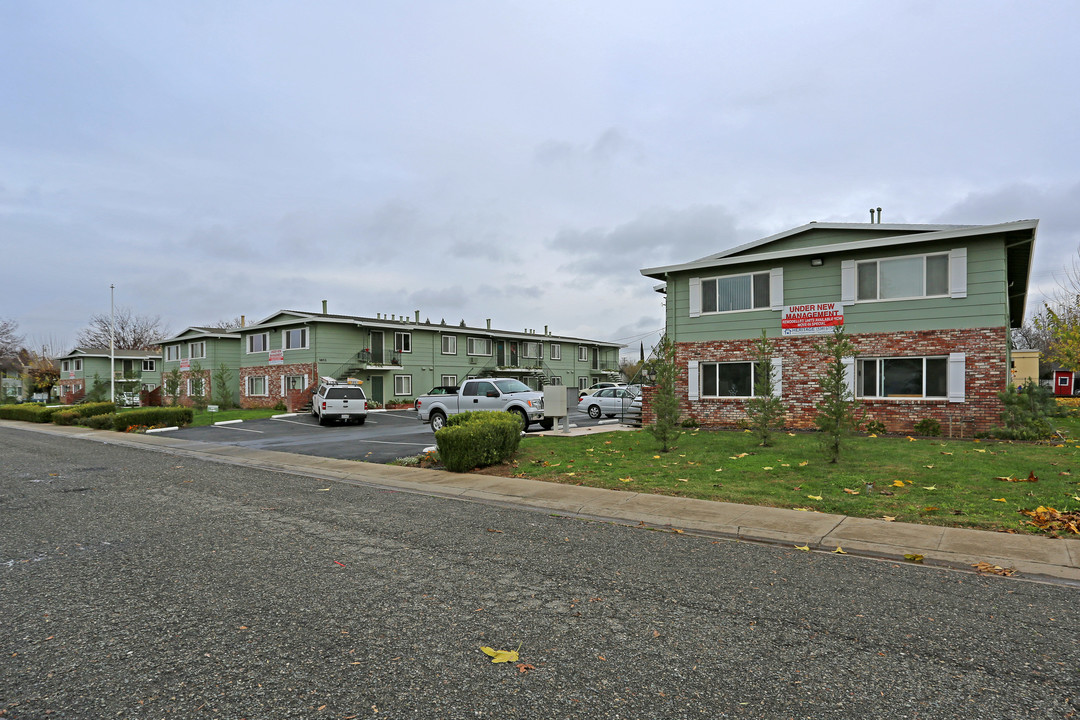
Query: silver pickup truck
[[486, 394]]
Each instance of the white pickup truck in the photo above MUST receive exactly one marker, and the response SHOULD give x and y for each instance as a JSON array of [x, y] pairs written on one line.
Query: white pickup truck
[[482, 394], [339, 401]]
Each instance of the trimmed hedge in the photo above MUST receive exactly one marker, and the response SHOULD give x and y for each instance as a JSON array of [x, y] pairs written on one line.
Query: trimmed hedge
[[148, 417], [477, 439], [72, 415], [30, 412], [100, 422]]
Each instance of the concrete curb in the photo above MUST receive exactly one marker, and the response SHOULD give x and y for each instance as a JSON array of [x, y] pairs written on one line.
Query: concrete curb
[[1033, 557]]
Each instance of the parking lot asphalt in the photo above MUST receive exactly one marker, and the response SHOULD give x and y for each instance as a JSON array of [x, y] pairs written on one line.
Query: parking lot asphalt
[[386, 436]]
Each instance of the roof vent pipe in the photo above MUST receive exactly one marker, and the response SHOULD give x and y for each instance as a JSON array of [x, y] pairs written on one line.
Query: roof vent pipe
[[242, 319], [871, 216], [489, 323], [417, 317], [323, 307], [879, 216], [545, 330]]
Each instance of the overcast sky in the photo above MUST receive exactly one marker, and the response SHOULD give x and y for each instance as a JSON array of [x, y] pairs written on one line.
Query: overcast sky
[[519, 161]]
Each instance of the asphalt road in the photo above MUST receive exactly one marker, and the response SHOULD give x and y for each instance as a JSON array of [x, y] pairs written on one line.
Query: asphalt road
[[140, 584], [385, 436]]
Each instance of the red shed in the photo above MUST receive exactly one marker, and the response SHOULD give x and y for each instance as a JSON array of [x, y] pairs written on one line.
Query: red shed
[[1064, 380]]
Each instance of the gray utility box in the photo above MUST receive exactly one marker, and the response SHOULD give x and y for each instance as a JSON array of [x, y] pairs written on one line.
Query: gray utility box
[[556, 400]]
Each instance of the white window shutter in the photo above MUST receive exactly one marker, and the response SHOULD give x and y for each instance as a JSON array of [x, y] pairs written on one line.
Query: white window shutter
[[776, 288], [778, 376], [847, 281], [695, 297], [849, 374], [692, 379], [956, 377], [958, 272]]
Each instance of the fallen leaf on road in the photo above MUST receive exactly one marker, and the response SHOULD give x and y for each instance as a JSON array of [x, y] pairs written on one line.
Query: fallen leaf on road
[[524, 667], [840, 550], [494, 530], [888, 518], [985, 567], [804, 548], [501, 656], [913, 557]]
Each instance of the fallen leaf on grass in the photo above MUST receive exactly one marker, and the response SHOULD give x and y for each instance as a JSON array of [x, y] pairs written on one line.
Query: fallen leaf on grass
[[913, 557], [767, 467], [1048, 519], [985, 567], [945, 453], [682, 479], [849, 491], [888, 518], [804, 463], [814, 497], [501, 656], [929, 487], [928, 467], [999, 500], [626, 479], [930, 508], [910, 439], [898, 483]]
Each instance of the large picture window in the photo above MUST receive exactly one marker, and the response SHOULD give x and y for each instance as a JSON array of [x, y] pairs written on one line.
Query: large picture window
[[735, 292], [918, 377], [733, 379], [904, 277], [478, 346]]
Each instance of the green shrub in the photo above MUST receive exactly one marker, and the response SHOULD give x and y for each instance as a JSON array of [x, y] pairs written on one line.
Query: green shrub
[[100, 422], [928, 426], [30, 412], [478, 439], [875, 427], [65, 417], [151, 416], [1027, 413]]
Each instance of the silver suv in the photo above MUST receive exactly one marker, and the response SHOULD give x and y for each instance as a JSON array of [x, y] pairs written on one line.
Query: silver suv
[[339, 401]]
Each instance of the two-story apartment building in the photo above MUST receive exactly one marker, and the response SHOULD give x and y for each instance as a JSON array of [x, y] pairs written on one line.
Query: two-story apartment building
[[928, 307], [400, 357], [134, 371], [197, 354]]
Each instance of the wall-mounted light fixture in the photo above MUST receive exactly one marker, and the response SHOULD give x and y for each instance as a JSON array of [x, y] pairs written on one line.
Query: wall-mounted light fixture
[[817, 261]]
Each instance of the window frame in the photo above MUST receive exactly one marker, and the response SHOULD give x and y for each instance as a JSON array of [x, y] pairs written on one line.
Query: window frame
[[402, 338], [190, 385], [448, 380], [149, 365], [65, 366], [191, 350], [537, 348], [405, 379], [879, 379], [555, 351], [248, 343], [877, 277], [470, 346], [583, 353], [172, 353], [449, 345], [266, 386], [303, 339], [766, 274], [701, 379]]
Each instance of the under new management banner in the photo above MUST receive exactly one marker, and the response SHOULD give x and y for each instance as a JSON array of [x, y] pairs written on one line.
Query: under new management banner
[[811, 319]]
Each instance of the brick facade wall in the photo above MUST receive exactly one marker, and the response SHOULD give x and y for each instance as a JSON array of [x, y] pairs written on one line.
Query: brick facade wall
[[208, 391], [986, 373], [273, 374]]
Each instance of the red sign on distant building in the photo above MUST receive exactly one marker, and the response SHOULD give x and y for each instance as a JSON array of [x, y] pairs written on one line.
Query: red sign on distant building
[[277, 357], [185, 364], [811, 319]]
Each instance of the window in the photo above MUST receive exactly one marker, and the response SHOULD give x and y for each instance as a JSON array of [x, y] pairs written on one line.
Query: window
[[478, 346], [531, 349], [448, 380], [582, 383], [294, 339], [556, 351], [449, 344], [403, 384], [65, 366], [1063, 380], [904, 277], [294, 382], [902, 377], [149, 365], [172, 353], [195, 386], [555, 380], [735, 379], [256, 385], [76, 364], [583, 353], [197, 350], [736, 292], [258, 342], [403, 342]]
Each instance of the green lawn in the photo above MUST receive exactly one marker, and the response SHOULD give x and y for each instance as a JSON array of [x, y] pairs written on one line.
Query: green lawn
[[932, 481], [207, 418]]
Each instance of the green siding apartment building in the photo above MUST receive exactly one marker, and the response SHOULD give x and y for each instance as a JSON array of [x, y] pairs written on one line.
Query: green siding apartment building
[[135, 371], [197, 354], [399, 358], [928, 307]]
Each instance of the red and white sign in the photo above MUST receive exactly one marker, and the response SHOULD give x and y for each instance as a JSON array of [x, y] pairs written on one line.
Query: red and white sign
[[277, 357], [811, 319], [185, 364]]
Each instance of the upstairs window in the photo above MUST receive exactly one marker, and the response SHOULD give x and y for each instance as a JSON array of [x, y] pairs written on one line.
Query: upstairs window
[[172, 353], [403, 342], [905, 277], [531, 349], [735, 292], [479, 346], [449, 345], [556, 351], [149, 365], [295, 339], [583, 353], [258, 342], [197, 350]]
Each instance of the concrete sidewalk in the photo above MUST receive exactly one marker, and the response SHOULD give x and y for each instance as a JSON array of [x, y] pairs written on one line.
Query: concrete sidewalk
[[1032, 556]]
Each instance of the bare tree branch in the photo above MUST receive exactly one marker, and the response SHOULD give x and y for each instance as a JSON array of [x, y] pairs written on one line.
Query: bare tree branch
[[133, 332], [10, 340]]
